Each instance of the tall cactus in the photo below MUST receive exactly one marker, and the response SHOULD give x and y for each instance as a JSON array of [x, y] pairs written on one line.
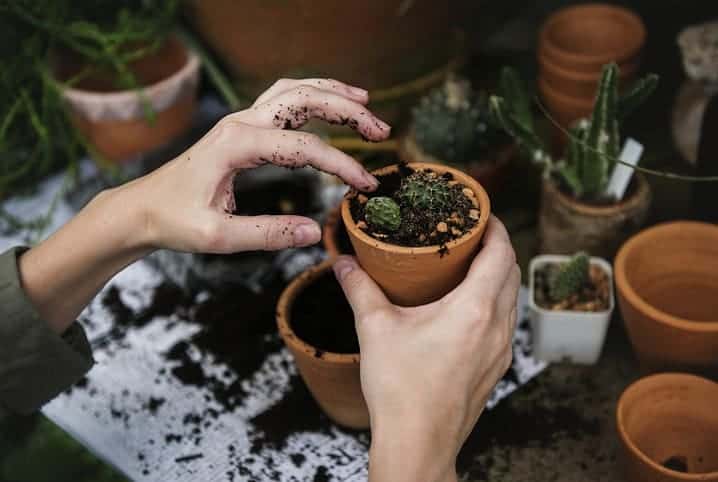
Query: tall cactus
[[569, 277]]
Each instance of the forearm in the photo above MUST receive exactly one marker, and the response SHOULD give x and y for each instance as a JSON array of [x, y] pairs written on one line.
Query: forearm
[[62, 274]]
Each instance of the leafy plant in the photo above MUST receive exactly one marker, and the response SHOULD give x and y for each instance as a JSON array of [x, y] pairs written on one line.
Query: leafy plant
[[593, 143], [569, 277]]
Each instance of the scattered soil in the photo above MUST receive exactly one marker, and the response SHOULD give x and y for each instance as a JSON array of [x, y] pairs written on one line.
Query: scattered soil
[[322, 317], [420, 227], [593, 296]]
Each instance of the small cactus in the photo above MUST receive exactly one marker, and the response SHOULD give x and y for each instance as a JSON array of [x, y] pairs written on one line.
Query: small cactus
[[569, 277], [383, 213], [452, 123], [425, 191]]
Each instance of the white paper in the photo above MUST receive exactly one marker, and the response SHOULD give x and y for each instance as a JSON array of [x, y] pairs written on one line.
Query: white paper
[[621, 176]]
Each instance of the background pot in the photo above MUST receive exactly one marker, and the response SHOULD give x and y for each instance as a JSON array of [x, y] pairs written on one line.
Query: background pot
[[567, 225], [335, 238], [333, 379], [416, 276], [669, 415], [567, 335], [667, 282], [115, 122]]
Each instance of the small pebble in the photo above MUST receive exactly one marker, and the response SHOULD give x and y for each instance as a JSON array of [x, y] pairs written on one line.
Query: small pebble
[[474, 214], [422, 238], [362, 198], [362, 225], [442, 227], [468, 193], [456, 232]]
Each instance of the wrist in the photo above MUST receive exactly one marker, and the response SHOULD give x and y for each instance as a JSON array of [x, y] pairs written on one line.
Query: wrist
[[130, 226]]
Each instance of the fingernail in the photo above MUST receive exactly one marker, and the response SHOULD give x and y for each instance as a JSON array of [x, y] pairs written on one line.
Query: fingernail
[[359, 91], [306, 234], [383, 125], [343, 267]]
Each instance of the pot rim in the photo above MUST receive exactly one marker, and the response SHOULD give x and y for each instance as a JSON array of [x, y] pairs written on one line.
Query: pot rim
[[330, 230], [608, 210], [284, 310], [463, 178], [576, 102], [670, 379], [545, 62], [542, 259], [633, 47], [626, 289]]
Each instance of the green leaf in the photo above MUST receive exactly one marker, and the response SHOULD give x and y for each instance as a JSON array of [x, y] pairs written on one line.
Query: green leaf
[[637, 95]]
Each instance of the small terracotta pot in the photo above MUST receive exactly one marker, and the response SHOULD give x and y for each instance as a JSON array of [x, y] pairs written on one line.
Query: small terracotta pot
[[115, 121], [667, 284], [567, 225], [416, 276], [584, 38], [491, 173], [333, 379], [565, 109], [669, 419], [335, 238]]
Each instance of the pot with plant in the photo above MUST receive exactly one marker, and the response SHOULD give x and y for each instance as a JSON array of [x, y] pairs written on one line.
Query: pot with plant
[[581, 208], [418, 232], [451, 125], [570, 306]]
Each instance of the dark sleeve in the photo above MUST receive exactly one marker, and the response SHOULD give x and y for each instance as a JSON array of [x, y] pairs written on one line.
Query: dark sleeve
[[36, 364]]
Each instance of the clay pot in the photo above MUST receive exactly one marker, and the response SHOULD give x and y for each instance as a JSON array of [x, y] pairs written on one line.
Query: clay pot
[[114, 122], [667, 284], [565, 110], [567, 225], [491, 172], [669, 419], [334, 235], [332, 378], [416, 276], [583, 38]]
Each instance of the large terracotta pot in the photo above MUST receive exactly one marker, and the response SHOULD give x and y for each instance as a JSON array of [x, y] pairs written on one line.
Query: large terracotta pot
[[416, 276], [669, 420], [332, 378], [115, 122], [564, 109], [667, 284], [567, 225]]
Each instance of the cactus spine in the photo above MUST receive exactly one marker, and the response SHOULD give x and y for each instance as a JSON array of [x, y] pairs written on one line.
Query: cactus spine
[[383, 213], [570, 277], [425, 191]]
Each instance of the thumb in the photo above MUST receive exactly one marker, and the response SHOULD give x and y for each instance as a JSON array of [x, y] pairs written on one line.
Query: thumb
[[362, 292], [270, 233]]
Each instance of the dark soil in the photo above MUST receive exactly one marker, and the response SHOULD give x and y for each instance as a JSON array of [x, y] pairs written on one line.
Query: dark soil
[[322, 317], [418, 227], [676, 463], [594, 295]]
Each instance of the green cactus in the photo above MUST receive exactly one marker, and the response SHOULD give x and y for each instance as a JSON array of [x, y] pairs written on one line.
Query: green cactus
[[425, 191], [569, 277], [594, 143], [383, 213], [452, 123]]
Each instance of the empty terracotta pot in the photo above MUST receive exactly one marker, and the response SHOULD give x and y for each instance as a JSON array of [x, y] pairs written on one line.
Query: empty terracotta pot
[[567, 225], [583, 38], [667, 285], [115, 121], [565, 109], [332, 378], [412, 276], [668, 426]]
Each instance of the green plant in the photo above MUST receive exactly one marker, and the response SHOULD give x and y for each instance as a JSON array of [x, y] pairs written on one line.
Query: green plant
[[425, 191], [569, 277], [452, 123], [383, 213], [593, 145]]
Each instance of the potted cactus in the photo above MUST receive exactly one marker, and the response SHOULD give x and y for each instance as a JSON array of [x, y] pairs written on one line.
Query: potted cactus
[[451, 125], [574, 194], [418, 232], [570, 305]]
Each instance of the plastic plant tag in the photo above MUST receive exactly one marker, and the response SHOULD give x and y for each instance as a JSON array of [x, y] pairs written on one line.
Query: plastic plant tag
[[621, 176]]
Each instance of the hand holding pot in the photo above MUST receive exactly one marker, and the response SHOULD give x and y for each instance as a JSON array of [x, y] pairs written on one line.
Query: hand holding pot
[[427, 371]]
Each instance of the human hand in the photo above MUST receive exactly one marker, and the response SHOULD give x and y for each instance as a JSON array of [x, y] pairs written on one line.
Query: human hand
[[188, 203], [428, 371]]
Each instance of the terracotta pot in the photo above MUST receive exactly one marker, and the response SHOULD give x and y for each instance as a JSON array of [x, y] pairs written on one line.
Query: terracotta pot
[[332, 378], [583, 38], [567, 225], [115, 121], [335, 238], [565, 109], [669, 419], [416, 276], [667, 284], [491, 173]]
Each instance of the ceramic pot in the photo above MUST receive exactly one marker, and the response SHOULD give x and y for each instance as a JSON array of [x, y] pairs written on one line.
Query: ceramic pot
[[583, 38], [670, 420], [334, 235], [416, 276], [574, 336], [667, 283], [567, 225], [115, 122], [332, 378], [490, 172]]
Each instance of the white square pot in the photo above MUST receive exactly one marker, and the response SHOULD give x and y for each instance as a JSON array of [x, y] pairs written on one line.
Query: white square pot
[[568, 335]]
